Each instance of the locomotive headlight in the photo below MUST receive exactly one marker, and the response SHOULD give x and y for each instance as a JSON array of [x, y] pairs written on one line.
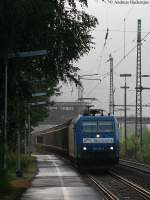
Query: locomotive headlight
[[111, 148], [84, 148], [97, 135]]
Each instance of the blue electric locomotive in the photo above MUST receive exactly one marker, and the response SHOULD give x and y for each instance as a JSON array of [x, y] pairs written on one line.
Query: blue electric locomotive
[[90, 141], [94, 140]]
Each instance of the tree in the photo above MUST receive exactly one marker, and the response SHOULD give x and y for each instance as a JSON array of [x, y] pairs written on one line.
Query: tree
[[27, 25]]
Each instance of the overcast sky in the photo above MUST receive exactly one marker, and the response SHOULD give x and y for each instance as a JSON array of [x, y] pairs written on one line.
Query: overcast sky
[[111, 16]]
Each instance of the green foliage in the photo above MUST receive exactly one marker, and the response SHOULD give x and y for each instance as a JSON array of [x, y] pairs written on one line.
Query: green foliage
[[44, 24], [4, 181], [144, 155], [12, 187], [29, 25], [12, 162], [146, 147]]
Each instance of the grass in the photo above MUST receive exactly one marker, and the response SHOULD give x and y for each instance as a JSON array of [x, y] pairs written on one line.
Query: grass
[[11, 187]]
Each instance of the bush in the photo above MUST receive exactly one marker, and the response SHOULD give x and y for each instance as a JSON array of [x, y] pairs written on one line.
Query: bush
[[12, 161], [4, 181], [142, 156]]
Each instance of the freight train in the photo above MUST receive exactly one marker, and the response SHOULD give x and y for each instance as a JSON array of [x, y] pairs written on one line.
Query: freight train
[[88, 140]]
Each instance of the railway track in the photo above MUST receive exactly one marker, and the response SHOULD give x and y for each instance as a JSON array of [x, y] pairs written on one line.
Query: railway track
[[145, 193], [135, 172], [135, 165], [116, 187], [102, 188]]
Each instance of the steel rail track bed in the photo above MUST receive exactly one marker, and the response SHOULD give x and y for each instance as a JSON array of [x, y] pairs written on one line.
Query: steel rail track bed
[[116, 187], [136, 187], [102, 188], [135, 165]]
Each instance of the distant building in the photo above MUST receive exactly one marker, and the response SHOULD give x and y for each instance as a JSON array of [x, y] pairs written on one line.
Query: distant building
[[60, 112]]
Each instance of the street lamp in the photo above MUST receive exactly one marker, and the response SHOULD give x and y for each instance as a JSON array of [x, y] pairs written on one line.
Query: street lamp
[[16, 55]]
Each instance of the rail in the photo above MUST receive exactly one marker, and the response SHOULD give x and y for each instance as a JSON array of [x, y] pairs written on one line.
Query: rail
[[135, 165], [100, 187], [136, 187]]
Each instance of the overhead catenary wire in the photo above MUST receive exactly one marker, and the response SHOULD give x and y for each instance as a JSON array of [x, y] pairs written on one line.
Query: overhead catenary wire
[[125, 54], [106, 38], [106, 35], [123, 58], [131, 50], [119, 30], [124, 37], [118, 49], [146, 48], [92, 89], [103, 49], [127, 14], [101, 57], [108, 30]]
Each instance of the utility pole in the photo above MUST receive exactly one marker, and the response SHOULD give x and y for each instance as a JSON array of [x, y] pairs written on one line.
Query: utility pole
[[18, 171], [138, 125], [29, 129], [25, 137], [111, 96], [125, 108], [5, 116]]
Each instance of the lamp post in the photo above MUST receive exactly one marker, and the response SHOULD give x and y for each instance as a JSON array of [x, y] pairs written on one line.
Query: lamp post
[[139, 126], [125, 108]]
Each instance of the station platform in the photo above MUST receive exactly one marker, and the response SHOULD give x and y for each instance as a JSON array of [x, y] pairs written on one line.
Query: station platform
[[58, 180]]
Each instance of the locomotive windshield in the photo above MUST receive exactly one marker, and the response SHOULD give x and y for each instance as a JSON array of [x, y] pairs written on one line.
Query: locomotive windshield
[[89, 126], [105, 126], [97, 126]]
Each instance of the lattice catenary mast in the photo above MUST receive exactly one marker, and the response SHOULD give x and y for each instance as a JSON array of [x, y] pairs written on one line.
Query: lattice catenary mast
[[111, 96], [138, 119]]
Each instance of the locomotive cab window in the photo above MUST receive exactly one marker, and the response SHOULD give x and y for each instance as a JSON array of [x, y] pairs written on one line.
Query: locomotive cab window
[[89, 126], [105, 126]]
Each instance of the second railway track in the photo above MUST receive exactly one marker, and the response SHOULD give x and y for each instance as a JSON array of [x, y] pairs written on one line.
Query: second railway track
[[135, 172], [135, 165], [116, 187]]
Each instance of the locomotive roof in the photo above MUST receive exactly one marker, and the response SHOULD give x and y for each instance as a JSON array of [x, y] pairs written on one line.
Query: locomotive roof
[[104, 117], [95, 117]]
